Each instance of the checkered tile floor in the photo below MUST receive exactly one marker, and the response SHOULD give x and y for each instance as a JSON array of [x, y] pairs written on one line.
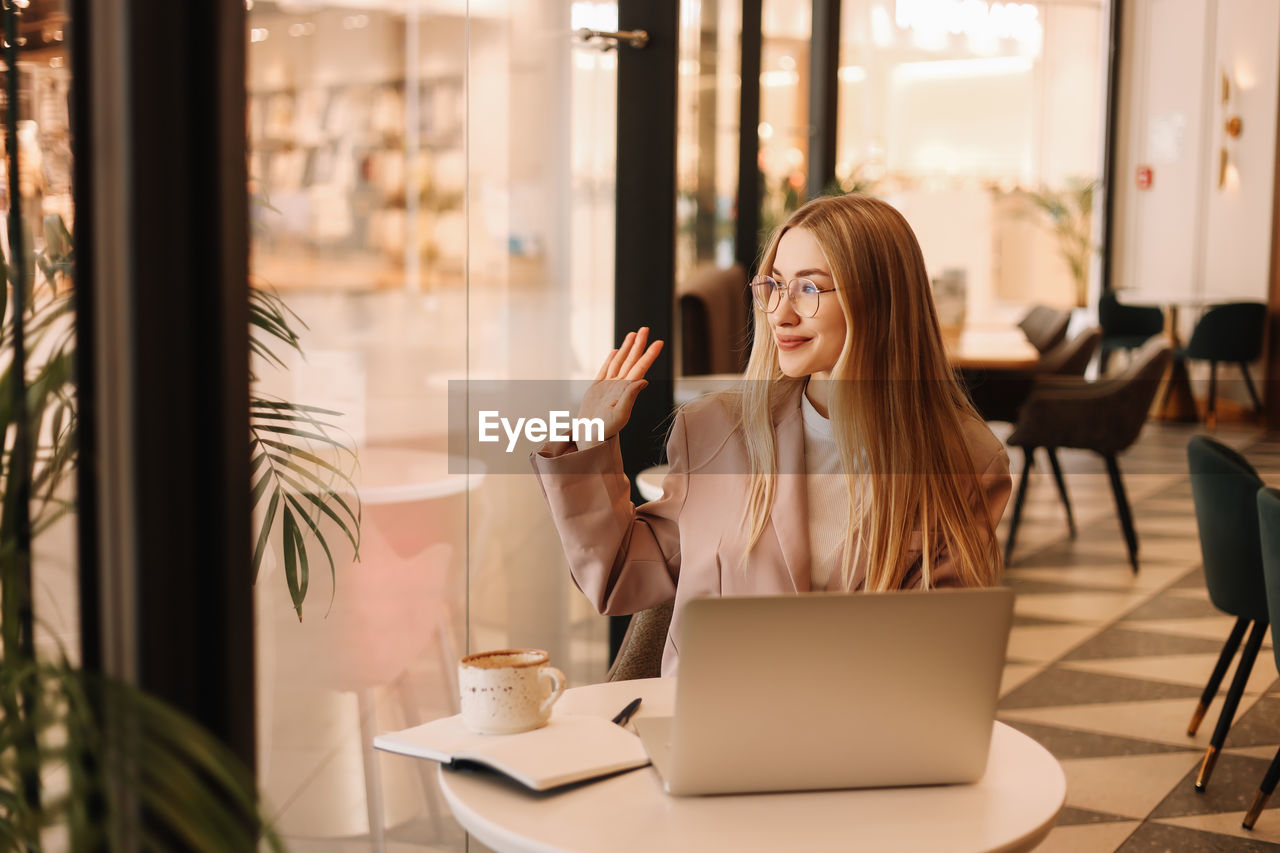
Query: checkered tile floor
[[1105, 667]]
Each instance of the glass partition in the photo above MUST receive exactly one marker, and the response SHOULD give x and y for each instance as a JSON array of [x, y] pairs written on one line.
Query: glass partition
[[435, 187], [40, 627], [707, 128], [48, 217], [436, 196]]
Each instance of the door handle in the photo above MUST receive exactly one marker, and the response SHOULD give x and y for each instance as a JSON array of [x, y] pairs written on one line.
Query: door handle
[[636, 38]]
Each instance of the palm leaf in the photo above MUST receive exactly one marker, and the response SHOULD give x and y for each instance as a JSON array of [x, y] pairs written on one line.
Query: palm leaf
[[319, 540], [264, 535], [188, 785], [300, 460]]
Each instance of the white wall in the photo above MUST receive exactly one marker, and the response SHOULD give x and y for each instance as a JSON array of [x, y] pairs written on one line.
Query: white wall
[[1157, 233], [1187, 238], [1238, 232]]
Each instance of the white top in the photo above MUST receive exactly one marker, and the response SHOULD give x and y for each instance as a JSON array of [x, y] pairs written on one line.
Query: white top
[[828, 495], [1012, 808]]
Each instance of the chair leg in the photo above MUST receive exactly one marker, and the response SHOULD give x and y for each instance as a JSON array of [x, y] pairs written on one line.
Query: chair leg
[[449, 658], [1265, 790], [1219, 670], [413, 716], [1122, 509], [1238, 682], [1028, 459], [1211, 413], [372, 779], [1062, 488], [1253, 392]]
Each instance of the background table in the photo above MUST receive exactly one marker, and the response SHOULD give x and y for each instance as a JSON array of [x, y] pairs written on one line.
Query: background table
[[1174, 400], [1012, 808], [991, 347]]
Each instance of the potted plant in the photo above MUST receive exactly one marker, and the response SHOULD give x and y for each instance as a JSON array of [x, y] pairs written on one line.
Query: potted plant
[[1070, 214], [122, 750]]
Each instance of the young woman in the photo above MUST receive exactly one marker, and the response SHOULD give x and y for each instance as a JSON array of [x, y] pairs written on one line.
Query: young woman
[[849, 459]]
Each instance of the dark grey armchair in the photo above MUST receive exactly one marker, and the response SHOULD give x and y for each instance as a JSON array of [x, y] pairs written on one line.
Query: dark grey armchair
[[713, 321], [998, 395], [1103, 416], [1045, 327]]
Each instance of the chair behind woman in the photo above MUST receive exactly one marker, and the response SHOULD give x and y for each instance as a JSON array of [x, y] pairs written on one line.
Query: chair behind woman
[[640, 655], [1224, 487]]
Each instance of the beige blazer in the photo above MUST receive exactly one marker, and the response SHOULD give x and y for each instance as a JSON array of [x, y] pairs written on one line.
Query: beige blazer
[[690, 542]]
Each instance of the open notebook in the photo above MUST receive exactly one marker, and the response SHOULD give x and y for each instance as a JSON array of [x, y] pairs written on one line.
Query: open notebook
[[570, 748]]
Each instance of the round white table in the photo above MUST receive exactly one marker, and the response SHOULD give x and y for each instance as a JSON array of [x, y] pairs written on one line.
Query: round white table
[[1013, 807]]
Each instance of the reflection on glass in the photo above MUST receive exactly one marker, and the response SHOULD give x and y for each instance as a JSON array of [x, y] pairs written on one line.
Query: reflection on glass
[[440, 182], [949, 108], [46, 574], [707, 103], [45, 199], [784, 109]]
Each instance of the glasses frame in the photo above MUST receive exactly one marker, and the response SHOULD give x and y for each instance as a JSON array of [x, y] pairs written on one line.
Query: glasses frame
[[792, 291]]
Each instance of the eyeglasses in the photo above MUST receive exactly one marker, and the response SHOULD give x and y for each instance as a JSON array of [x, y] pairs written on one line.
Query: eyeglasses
[[802, 292]]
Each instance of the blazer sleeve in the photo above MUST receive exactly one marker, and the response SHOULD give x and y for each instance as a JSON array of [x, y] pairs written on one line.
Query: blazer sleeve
[[995, 484], [624, 558]]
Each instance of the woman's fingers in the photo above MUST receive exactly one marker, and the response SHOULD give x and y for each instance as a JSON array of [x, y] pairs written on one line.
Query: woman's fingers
[[628, 399], [634, 352], [641, 367], [604, 368], [632, 359], [620, 356]]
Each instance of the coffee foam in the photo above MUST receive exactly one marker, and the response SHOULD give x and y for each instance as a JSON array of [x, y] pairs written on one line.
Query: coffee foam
[[499, 660]]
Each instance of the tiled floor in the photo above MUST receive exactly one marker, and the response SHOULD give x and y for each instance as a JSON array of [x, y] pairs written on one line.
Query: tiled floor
[[1105, 667]]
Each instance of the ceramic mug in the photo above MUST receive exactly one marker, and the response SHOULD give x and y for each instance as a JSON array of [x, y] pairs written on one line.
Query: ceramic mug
[[508, 691]]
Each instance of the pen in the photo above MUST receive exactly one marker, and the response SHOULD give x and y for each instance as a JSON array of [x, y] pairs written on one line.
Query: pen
[[625, 715]]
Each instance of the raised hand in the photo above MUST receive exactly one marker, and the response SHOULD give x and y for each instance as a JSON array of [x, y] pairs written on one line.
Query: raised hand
[[619, 381]]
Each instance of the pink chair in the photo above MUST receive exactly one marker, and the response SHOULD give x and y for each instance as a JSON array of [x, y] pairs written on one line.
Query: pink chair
[[398, 601]]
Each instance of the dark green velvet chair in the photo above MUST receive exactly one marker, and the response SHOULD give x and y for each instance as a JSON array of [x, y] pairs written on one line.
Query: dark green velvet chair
[[1228, 333], [1105, 416], [1269, 533], [1224, 487], [1124, 327]]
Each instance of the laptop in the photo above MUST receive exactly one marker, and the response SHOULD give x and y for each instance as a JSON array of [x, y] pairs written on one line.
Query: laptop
[[823, 690]]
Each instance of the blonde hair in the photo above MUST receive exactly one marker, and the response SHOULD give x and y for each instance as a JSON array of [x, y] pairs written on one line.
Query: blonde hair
[[898, 418]]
